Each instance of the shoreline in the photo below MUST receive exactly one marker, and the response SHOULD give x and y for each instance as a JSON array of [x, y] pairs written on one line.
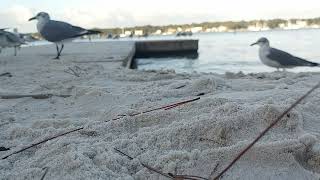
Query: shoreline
[[199, 138]]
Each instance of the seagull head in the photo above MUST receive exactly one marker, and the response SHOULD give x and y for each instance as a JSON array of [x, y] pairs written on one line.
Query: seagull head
[[261, 42], [41, 16]]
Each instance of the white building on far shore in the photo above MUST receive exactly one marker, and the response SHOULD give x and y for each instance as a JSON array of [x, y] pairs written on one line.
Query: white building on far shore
[[158, 32], [196, 29], [222, 29], [299, 24], [254, 28], [127, 33], [138, 32]]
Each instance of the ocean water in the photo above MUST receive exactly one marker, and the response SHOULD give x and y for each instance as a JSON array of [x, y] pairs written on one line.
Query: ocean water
[[231, 52]]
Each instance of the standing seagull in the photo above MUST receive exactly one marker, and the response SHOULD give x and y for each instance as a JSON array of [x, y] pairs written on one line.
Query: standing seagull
[[279, 59], [8, 39], [58, 32]]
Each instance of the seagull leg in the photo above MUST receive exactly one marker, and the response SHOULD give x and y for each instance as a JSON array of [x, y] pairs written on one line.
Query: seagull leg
[[62, 46], [15, 50], [58, 54]]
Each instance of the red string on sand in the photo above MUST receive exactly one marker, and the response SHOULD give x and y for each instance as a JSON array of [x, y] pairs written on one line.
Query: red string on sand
[[166, 107], [43, 141], [80, 128], [265, 131], [170, 176]]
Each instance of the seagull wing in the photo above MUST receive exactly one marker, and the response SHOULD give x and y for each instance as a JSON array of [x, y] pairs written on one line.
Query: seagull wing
[[13, 38], [56, 31], [287, 59]]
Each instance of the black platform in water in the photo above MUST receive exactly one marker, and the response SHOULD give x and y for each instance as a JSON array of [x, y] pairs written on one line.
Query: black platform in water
[[165, 48], [186, 48]]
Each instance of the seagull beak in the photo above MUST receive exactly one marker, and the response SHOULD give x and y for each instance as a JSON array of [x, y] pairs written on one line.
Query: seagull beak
[[32, 18], [254, 44]]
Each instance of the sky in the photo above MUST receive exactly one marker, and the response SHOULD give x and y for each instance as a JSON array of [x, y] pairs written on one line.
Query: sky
[[124, 13]]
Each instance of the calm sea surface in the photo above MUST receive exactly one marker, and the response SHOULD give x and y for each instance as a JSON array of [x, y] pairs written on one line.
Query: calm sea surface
[[222, 52]]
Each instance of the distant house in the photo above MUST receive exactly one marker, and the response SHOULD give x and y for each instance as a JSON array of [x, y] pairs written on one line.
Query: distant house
[[187, 30], [259, 26], [315, 26], [282, 25], [138, 32], [302, 24], [208, 30], [127, 33], [158, 32], [171, 31], [222, 29], [214, 29], [254, 28], [196, 29], [296, 24]]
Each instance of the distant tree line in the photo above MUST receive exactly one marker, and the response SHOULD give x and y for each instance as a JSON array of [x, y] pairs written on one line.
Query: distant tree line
[[231, 25]]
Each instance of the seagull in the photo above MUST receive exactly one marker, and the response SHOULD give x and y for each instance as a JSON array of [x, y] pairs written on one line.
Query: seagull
[[58, 32], [8, 39], [277, 58]]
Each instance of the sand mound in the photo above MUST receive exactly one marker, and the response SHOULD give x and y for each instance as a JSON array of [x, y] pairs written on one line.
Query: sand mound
[[199, 138]]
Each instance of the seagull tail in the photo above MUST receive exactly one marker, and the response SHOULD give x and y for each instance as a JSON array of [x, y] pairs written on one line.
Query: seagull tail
[[312, 64], [307, 63]]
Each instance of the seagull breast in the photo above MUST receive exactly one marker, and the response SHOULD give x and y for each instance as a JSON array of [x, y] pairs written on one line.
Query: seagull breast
[[264, 52]]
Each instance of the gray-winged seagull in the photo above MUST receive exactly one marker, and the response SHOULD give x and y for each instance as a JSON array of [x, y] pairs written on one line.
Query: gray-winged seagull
[[277, 58], [58, 32], [8, 39]]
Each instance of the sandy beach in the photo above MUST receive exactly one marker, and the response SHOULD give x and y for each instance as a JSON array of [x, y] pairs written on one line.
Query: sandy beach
[[199, 138]]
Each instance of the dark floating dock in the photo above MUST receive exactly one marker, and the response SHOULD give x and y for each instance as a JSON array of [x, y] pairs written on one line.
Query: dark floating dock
[[162, 48]]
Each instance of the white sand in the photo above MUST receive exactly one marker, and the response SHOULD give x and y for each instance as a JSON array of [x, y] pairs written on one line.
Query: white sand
[[191, 139]]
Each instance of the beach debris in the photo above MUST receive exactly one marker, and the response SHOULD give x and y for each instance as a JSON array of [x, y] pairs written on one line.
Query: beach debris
[[144, 165], [179, 87], [169, 175], [201, 94], [34, 96], [80, 128], [214, 170], [41, 142], [167, 107], [4, 148], [263, 133], [183, 177], [45, 172], [76, 71], [7, 74], [100, 61]]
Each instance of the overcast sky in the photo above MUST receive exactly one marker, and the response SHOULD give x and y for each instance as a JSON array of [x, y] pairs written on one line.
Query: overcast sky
[[121, 13]]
